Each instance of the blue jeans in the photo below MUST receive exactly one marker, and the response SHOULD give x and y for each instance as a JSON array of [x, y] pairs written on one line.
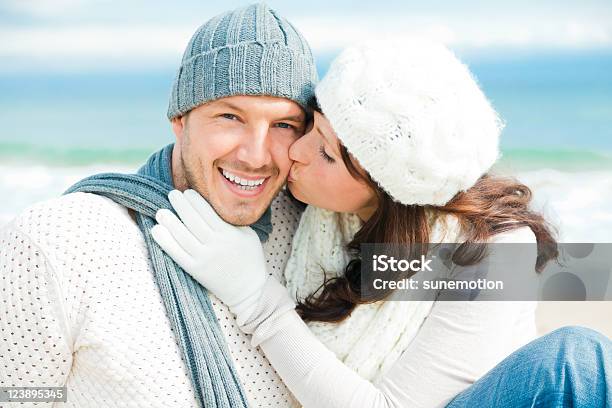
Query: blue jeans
[[569, 367]]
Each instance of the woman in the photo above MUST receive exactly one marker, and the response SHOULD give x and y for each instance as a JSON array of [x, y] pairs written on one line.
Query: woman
[[398, 153]]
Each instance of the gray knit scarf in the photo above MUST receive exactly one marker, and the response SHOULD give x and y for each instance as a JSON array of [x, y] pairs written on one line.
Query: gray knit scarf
[[191, 314]]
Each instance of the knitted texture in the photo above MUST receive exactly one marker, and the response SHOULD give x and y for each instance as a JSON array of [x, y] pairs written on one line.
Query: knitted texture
[[413, 116], [247, 51], [83, 310], [375, 335], [193, 319]]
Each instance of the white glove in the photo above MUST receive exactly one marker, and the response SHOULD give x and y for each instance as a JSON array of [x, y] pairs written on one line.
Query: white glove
[[226, 259]]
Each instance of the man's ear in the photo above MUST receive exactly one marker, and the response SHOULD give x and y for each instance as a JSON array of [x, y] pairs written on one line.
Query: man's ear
[[178, 126]]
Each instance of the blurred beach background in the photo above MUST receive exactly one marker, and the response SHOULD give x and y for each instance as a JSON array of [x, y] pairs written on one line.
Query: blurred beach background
[[84, 86]]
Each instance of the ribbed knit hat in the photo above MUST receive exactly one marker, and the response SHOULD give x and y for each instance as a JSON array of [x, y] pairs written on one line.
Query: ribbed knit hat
[[413, 116], [247, 51]]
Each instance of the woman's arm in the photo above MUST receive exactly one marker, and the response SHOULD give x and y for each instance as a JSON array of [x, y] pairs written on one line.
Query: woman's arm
[[312, 372], [457, 344]]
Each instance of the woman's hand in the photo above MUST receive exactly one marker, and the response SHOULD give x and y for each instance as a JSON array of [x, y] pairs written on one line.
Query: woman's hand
[[226, 259]]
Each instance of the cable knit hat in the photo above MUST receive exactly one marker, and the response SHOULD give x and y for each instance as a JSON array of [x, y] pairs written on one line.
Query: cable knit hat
[[413, 116], [247, 51]]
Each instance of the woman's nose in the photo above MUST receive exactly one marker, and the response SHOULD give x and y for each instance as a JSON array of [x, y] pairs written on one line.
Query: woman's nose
[[298, 151]]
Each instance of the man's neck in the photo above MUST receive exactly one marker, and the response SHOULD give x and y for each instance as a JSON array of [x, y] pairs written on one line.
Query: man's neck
[[178, 178]]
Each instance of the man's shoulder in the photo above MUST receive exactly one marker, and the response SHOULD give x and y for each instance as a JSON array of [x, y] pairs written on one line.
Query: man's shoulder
[[66, 208], [75, 214]]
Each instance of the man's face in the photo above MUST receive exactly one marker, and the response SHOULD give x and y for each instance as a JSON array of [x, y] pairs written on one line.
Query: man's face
[[242, 139]]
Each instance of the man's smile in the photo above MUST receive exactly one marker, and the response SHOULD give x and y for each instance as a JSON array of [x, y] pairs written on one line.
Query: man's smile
[[243, 185]]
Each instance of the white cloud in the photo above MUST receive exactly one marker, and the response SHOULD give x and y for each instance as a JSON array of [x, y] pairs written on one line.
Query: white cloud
[[161, 45], [332, 33], [124, 41], [580, 33], [46, 8]]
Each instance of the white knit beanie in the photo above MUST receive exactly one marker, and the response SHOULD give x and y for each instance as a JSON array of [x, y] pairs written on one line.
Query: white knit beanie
[[413, 116]]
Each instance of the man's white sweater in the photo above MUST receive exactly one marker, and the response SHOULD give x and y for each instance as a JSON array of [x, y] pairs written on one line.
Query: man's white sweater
[[79, 307]]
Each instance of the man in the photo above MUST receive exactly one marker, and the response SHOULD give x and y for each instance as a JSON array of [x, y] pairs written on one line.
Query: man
[[83, 300]]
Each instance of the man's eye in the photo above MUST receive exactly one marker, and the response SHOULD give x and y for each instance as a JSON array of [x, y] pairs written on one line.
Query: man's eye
[[283, 125], [229, 116]]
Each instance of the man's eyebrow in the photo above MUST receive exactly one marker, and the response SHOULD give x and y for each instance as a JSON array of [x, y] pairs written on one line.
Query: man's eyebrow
[[231, 106], [294, 118]]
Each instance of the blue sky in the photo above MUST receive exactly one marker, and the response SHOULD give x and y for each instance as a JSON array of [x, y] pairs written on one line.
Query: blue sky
[[68, 35]]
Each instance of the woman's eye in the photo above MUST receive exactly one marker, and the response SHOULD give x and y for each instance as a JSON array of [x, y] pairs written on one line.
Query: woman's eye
[[283, 125], [326, 156], [229, 116]]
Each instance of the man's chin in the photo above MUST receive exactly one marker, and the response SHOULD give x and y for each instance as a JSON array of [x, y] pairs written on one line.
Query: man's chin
[[233, 211], [240, 213], [242, 216]]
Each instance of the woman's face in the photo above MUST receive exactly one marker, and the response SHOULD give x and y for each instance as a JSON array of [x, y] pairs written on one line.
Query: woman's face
[[319, 177]]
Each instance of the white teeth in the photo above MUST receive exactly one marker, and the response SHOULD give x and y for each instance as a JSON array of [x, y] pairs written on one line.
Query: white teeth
[[244, 184]]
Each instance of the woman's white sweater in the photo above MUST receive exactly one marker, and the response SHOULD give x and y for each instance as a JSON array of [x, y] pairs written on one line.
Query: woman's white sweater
[[450, 343]]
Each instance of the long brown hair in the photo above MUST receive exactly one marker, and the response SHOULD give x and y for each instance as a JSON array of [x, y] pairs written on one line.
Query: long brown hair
[[493, 205]]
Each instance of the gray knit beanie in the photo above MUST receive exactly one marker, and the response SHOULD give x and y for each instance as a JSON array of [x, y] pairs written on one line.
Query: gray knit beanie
[[247, 51]]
